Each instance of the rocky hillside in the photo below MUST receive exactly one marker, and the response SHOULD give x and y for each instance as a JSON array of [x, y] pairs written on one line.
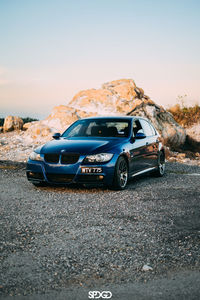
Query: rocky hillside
[[119, 97]]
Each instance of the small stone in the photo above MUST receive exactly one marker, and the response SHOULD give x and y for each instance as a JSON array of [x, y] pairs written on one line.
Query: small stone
[[147, 268], [181, 155]]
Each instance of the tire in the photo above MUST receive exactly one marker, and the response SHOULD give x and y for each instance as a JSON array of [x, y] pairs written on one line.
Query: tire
[[38, 184], [160, 171], [121, 174]]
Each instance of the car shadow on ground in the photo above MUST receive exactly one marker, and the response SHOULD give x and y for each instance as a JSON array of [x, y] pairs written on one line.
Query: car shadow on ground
[[138, 182]]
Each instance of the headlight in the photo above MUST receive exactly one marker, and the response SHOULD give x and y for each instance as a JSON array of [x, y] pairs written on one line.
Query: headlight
[[101, 157], [35, 156]]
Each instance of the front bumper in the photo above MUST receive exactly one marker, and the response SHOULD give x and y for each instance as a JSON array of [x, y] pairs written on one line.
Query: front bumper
[[40, 171]]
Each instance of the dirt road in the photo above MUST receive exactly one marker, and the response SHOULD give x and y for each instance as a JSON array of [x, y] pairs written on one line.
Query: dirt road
[[61, 243]]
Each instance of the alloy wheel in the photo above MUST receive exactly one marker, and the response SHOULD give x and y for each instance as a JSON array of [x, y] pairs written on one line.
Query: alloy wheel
[[123, 173]]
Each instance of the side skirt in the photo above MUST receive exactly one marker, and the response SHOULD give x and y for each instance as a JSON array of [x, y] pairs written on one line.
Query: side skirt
[[143, 171]]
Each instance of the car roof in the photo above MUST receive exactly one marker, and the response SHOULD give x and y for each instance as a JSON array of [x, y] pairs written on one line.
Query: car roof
[[115, 118]]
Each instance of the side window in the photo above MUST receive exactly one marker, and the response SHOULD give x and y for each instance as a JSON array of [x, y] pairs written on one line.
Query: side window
[[153, 129], [148, 130], [137, 128]]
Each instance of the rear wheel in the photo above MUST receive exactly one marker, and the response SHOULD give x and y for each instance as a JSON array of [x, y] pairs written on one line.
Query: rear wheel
[[121, 174], [160, 171]]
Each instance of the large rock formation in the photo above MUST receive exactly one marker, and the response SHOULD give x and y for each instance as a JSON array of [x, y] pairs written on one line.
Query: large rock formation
[[119, 97], [123, 97], [194, 131], [114, 98], [59, 119], [12, 123], [172, 133], [61, 116]]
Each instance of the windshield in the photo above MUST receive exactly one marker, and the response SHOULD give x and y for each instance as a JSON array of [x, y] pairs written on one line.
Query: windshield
[[98, 128]]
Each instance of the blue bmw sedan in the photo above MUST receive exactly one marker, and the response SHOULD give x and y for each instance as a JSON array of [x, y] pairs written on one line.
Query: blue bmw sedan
[[99, 150]]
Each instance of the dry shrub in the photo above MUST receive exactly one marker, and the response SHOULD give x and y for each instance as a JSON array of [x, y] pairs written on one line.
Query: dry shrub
[[185, 116]]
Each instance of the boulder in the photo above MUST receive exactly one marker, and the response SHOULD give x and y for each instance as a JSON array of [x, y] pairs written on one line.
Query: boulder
[[194, 131], [118, 97], [123, 88], [114, 98], [61, 117], [27, 125], [12, 123], [37, 133], [95, 102], [172, 133], [123, 97]]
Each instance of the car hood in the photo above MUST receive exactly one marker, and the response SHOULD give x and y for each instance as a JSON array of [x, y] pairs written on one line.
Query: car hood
[[82, 146]]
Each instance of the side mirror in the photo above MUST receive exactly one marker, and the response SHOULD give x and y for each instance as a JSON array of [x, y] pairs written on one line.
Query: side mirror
[[140, 135], [56, 135], [132, 139]]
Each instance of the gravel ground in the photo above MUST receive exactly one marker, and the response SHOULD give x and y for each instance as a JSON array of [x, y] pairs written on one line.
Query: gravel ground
[[58, 238]]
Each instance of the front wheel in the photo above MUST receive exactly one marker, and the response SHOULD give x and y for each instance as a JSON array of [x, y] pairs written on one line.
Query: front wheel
[[121, 174], [160, 171], [38, 184]]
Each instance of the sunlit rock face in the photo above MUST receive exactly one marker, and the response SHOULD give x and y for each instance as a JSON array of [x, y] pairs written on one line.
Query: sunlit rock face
[[194, 131], [172, 133], [114, 98], [123, 97], [12, 123], [118, 97]]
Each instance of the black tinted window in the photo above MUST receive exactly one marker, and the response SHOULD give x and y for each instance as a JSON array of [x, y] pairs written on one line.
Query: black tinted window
[[98, 128], [137, 128]]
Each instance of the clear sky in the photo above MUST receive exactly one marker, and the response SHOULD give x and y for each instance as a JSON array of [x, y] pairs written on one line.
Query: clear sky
[[51, 49]]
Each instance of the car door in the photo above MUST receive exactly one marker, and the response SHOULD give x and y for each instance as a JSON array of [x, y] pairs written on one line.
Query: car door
[[151, 141], [137, 149]]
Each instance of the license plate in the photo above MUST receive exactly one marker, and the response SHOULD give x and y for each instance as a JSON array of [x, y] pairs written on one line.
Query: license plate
[[91, 170]]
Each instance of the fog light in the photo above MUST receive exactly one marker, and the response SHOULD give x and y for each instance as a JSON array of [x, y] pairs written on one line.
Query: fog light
[[31, 173], [100, 177]]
